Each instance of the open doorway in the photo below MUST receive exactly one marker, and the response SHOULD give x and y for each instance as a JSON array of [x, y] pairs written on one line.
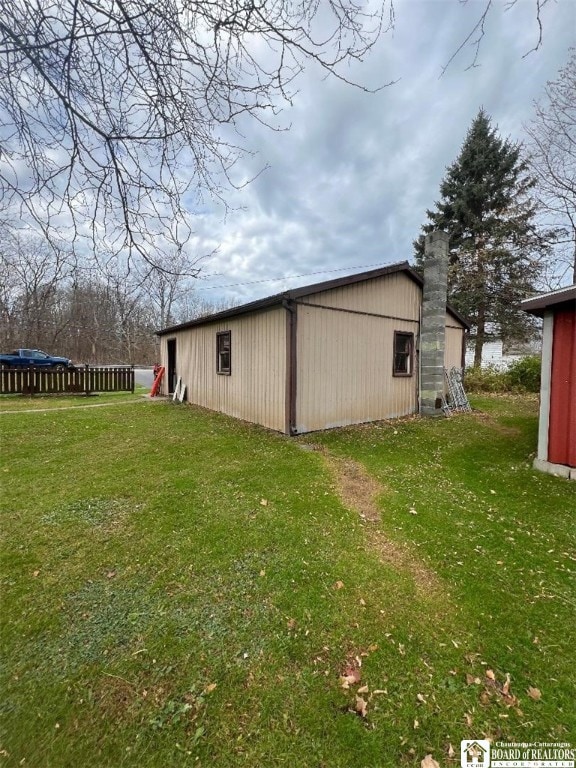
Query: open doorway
[[171, 365]]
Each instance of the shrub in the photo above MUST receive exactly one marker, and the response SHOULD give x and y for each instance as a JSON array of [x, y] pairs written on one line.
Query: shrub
[[524, 374], [488, 379]]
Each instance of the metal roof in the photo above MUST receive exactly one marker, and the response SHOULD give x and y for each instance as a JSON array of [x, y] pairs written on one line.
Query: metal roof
[[537, 304], [306, 290]]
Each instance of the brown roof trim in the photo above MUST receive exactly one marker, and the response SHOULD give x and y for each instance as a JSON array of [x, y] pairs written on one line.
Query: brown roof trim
[[297, 293], [538, 304]]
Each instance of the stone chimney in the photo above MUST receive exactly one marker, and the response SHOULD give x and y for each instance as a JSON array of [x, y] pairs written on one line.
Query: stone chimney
[[432, 327]]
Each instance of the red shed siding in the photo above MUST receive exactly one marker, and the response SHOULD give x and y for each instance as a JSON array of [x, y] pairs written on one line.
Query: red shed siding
[[562, 424]]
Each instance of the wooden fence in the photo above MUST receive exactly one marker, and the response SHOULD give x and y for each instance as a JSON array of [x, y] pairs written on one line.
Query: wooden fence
[[86, 380]]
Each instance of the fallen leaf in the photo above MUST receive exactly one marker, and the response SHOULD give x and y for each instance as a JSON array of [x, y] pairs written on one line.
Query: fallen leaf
[[421, 698], [429, 762], [361, 706], [262, 572], [471, 680], [362, 601], [338, 585], [36, 573], [412, 511], [380, 691], [364, 689], [416, 724], [468, 718], [111, 574], [510, 700], [291, 623], [210, 688], [534, 693], [451, 752], [506, 686], [264, 502], [490, 674], [350, 677]]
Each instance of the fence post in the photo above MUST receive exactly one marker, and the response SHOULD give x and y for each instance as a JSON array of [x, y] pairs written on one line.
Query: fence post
[[133, 377], [86, 379]]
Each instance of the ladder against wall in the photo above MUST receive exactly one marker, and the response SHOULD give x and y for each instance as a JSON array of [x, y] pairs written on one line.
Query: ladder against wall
[[457, 399]]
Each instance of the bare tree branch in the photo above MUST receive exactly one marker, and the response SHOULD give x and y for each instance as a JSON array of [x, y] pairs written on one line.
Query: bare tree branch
[[116, 115], [476, 36], [552, 152]]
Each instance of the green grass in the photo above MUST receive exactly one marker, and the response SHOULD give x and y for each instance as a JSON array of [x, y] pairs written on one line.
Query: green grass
[[42, 402], [156, 612]]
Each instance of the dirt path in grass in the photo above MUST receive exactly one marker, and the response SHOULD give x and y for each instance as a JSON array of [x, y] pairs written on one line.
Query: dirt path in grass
[[359, 492]]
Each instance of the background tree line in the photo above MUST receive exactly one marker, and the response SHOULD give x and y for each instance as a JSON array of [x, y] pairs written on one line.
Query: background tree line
[[90, 311]]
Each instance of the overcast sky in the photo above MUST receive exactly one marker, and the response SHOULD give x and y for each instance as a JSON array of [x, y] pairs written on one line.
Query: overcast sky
[[347, 186]]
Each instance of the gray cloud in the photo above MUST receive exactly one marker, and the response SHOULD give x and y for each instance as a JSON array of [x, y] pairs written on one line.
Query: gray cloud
[[349, 183]]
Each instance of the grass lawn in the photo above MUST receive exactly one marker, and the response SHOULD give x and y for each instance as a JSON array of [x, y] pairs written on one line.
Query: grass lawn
[[181, 589]]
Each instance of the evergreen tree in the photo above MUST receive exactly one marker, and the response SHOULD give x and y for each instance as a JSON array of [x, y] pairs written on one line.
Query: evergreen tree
[[495, 247]]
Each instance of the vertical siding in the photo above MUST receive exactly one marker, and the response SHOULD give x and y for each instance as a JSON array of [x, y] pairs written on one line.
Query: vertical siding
[[255, 391], [562, 423], [453, 343], [345, 360], [395, 295]]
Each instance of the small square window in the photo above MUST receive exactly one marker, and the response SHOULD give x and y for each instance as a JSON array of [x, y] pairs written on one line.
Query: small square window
[[223, 353], [403, 353]]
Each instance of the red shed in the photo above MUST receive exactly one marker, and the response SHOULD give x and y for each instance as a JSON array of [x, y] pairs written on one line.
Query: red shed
[[557, 424]]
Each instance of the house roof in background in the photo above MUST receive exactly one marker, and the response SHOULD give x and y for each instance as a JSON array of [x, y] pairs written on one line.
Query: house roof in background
[[306, 290], [537, 304]]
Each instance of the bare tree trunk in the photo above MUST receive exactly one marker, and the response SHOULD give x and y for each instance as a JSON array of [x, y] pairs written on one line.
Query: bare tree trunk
[[481, 324], [480, 337]]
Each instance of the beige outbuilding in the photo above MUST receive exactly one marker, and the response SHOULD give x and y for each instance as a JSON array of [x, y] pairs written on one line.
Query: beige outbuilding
[[331, 354]]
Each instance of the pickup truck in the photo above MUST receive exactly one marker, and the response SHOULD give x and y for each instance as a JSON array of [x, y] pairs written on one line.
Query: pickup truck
[[24, 358]]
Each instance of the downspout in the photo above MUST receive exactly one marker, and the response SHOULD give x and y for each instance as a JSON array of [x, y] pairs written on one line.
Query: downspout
[[291, 375]]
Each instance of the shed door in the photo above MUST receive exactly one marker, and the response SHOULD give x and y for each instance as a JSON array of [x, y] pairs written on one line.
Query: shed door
[[562, 425], [171, 365]]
